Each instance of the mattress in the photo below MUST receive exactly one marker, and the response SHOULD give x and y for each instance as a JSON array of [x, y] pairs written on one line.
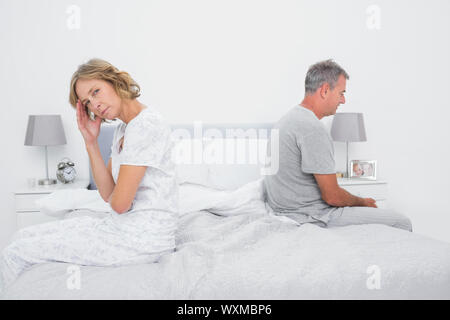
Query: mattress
[[259, 256]]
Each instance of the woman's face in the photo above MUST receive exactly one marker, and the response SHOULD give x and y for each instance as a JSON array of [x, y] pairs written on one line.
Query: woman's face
[[99, 96]]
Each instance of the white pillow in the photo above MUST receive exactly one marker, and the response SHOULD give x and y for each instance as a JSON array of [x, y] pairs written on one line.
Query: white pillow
[[195, 197], [219, 163], [192, 173], [60, 202], [186, 155], [231, 176], [234, 162], [247, 199], [192, 197]]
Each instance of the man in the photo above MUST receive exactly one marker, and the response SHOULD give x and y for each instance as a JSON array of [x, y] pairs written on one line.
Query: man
[[305, 186]]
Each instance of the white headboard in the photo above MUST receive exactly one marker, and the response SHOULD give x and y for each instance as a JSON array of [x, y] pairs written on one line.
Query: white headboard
[[107, 132]]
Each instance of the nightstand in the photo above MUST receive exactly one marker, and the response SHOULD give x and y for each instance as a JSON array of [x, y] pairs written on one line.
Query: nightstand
[[374, 189], [26, 209]]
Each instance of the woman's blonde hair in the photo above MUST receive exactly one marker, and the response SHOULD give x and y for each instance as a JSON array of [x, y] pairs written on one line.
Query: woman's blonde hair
[[100, 69]]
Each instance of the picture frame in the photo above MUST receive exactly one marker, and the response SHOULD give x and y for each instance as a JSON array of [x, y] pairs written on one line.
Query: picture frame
[[363, 169]]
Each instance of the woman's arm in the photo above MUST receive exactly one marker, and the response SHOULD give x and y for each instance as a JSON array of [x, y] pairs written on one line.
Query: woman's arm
[[128, 181], [90, 129], [102, 174], [121, 195]]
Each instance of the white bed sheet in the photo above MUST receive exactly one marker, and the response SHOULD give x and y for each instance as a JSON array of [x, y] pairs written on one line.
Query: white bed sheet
[[256, 256]]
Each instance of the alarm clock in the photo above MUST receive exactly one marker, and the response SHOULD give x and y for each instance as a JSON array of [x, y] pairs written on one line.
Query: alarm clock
[[66, 172]]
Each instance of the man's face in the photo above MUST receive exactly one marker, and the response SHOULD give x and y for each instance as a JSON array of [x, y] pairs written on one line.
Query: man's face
[[336, 96], [99, 97]]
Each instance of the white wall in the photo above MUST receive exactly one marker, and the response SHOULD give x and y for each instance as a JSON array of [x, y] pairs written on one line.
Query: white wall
[[241, 61]]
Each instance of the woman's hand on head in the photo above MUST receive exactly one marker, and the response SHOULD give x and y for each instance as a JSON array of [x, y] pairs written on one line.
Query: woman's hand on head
[[90, 129]]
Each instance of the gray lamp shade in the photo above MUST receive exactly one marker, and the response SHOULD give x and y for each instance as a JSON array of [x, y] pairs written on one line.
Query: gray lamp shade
[[348, 127], [45, 130]]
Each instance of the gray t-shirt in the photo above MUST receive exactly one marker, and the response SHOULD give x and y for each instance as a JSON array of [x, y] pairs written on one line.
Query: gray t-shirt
[[305, 148]]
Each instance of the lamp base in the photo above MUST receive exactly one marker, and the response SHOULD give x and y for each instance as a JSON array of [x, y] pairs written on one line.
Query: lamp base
[[46, 182]]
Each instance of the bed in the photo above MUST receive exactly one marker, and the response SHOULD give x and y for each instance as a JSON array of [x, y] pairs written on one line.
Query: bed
[[231, 246]]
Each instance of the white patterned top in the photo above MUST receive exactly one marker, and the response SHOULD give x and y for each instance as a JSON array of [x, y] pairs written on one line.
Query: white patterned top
[[147, 142]]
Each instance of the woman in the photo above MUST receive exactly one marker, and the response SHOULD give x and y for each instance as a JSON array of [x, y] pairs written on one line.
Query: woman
[[138, 182]]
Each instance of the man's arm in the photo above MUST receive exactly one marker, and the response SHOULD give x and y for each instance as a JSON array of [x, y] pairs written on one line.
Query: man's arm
[[336, 196]]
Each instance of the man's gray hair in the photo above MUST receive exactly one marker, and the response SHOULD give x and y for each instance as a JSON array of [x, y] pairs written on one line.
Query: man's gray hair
[[322, 72]]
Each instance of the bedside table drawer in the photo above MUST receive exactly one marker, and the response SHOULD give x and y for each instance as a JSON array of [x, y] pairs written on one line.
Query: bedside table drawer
[[27, 212], [375, 191], [26, 202]]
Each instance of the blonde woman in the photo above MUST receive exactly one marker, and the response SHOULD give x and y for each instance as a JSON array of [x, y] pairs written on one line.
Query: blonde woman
[[138, 182]]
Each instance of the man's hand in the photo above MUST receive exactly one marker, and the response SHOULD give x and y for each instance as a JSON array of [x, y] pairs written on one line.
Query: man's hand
[[369, 202], [336, 196]]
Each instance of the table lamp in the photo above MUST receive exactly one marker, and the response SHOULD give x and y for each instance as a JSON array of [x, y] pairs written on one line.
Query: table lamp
[[45, 130], [348, 127]]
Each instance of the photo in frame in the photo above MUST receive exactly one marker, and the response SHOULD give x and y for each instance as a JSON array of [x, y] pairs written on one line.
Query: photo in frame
[[363, 169]]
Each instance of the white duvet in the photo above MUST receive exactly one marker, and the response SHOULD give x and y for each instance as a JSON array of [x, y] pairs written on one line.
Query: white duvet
[[243, 252]]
